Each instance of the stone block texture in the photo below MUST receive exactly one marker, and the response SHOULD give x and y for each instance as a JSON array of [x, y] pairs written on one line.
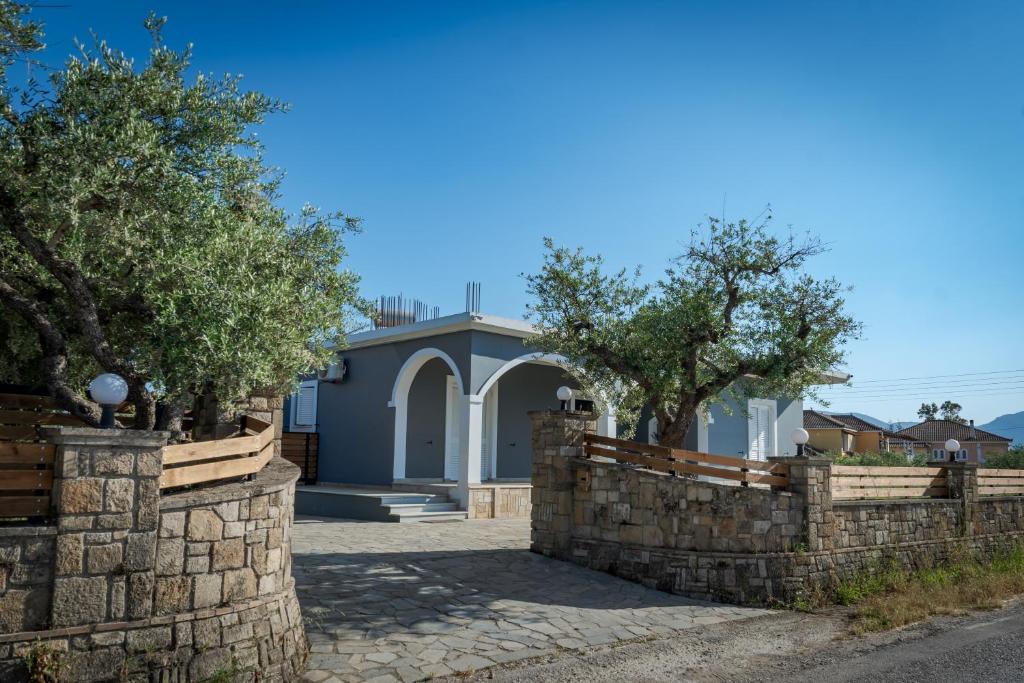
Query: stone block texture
[[742, 544], [130, 584], [498, 501]]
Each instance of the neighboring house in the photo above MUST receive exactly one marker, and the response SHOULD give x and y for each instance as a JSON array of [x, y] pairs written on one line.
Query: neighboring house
[[444, 402], [975, 443], [846, 433]]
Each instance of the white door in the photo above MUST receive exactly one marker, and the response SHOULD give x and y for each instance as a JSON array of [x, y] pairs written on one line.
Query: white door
[[760, 430], [451, 430]]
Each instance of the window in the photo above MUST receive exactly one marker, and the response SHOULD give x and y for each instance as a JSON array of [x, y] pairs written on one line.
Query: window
[[938, 454], [961, 454], [303, 402]]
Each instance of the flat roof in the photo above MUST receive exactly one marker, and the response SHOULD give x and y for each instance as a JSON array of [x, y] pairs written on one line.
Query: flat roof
[[459, 322]]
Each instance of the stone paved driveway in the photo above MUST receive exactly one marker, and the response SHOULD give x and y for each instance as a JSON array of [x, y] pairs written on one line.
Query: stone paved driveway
[[405, 602]]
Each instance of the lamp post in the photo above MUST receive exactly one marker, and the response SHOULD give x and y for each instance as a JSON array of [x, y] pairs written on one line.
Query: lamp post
[[800, 437], [952, 447], [565, 396], [110, 391]]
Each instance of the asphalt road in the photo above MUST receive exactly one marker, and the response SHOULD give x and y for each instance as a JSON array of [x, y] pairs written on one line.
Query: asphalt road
[[989, 649], [799, 648]]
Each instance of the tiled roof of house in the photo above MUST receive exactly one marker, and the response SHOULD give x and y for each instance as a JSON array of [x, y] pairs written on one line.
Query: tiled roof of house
[[940, 430], [855, 423], [815, 420]]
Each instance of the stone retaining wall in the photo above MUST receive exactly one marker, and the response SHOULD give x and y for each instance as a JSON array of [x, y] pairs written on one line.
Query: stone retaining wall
[[26, 577], [499, 501], [743, 544], [130, 584]]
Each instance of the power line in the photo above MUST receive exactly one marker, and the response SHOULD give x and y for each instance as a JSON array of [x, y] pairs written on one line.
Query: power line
[[962, 374], [936, 389]]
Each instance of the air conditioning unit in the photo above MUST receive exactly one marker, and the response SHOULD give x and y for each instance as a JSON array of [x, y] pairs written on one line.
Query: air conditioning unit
[[336, 372]]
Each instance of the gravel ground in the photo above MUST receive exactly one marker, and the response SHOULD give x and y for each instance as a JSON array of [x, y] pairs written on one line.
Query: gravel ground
[[792, 647]]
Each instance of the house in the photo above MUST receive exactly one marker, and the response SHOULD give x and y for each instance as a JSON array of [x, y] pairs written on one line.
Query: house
[[847, 433], [975, 443], [439, 407]]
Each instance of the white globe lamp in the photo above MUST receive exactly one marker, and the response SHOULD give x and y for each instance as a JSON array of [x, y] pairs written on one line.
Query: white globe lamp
[[564, 395], [110, 391], [952, 447], [800, 438]]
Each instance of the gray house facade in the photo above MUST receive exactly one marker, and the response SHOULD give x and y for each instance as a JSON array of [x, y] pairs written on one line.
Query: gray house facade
[[445, 402]]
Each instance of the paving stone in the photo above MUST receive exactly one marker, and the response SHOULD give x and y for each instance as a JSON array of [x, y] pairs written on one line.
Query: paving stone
[[387, 601]]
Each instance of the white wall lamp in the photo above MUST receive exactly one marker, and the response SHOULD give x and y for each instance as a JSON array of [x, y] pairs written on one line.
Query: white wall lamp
[[952, 447], [110, 391], [800, 438], [565, 396]]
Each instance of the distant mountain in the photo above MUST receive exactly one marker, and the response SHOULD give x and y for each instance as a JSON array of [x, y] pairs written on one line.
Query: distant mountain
[[1011, 426]]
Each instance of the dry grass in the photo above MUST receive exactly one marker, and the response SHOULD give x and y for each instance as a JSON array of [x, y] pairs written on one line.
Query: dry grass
[[889, 597]]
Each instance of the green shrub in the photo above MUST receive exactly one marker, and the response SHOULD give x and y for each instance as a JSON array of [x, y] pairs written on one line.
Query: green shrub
[[1012, 460], [879, 459]]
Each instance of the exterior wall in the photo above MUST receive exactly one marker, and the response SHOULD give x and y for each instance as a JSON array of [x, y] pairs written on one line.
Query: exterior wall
[[26, 577], [355, 423], [522, 389], [499, 501], [623, 504], [987, 448], [878, 522], [424, 436], [177, 587], [829, 440], [728, 431], [868, 442], [743, 545]]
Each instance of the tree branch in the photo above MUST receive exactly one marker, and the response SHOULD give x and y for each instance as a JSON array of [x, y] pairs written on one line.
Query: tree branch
[[54, 355]]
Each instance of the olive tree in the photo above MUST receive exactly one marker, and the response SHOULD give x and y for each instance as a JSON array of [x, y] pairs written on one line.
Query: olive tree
[[141, 234], [735, 314]]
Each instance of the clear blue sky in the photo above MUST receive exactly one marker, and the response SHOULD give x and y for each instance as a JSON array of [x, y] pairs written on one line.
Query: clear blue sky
[[462, 133]]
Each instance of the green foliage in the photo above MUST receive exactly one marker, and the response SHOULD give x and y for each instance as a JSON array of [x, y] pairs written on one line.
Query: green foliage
[[887, 596], [735, 313], [45, 663], [949, 410], [1011, 460], [880, 459], [142, 223]]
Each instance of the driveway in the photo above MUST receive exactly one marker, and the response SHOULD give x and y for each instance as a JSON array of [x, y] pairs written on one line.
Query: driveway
[[406, 602]]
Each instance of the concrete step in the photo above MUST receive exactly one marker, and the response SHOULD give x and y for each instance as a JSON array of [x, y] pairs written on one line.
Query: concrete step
[[428, 507], [411, 516], [375, 504]]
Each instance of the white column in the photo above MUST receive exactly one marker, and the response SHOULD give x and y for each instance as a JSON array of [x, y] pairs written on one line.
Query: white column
[[401, 417], [471, 426], [606, 425]]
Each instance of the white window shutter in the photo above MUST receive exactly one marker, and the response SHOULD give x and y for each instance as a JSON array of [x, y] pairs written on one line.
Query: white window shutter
[[305, 404]]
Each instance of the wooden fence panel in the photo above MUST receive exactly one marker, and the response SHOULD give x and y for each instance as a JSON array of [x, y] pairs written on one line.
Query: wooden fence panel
[[998, 482], [205, 461], [679, 461], [302, 449], [854, 482], [26, 464]]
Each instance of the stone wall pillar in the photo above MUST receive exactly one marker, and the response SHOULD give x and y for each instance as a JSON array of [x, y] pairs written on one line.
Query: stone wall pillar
[[962, 480], [212, 420], [557, 437], [811, 479], [106, 497]]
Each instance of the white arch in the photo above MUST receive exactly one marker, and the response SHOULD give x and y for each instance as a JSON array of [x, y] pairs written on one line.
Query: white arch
[[537, 357], [606, 420], [400, 399]]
